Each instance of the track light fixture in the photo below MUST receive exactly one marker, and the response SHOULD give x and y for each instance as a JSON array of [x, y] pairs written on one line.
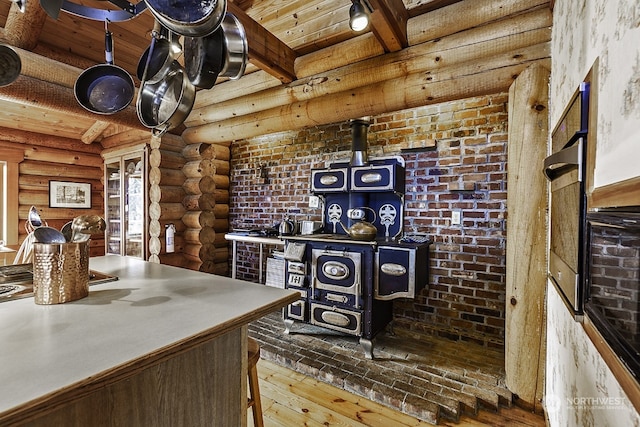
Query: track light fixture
[[358, 16]]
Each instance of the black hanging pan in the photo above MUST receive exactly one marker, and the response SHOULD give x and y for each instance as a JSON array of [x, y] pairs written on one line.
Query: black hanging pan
[[203, 58], [105, 88], [189, 18]]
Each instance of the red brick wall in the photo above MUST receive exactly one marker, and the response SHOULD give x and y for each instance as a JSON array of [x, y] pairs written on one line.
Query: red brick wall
[[466, 171]]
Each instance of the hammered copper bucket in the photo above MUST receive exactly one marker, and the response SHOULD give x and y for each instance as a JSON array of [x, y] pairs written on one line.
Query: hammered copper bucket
[[60, 272]]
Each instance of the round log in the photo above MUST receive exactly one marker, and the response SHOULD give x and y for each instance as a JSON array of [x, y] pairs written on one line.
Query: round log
[[171, 177], [203, 236], [155, 157], [171, 194], [154, 176], [195, 219], [221, 210], [221, 254], [222, 167], [206, 184], [172, 211], [222, 182], [171, 142], [222, 196], [221, 225], [197, 168], [171, 159], [155, 194], [199, 202]]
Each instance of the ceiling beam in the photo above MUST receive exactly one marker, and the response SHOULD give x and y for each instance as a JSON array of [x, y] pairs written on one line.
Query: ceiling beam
[[266, 51], [389, 24], [23, 29], [430, 6]]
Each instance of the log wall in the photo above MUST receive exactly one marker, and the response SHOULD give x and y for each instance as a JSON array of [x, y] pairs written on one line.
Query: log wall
[[166, 197], [206, 171], [48, 158]]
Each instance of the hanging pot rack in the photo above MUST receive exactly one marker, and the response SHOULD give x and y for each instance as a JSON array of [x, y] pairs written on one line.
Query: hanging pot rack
[[127, 10]]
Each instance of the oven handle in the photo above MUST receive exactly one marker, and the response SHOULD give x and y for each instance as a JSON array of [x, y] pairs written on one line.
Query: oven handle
[[564, 161]]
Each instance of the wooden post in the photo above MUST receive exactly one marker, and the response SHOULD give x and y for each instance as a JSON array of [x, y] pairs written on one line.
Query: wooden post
[[526, 264]]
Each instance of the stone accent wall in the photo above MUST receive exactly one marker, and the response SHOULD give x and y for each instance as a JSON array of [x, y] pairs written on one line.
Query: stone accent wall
[[455, 156]]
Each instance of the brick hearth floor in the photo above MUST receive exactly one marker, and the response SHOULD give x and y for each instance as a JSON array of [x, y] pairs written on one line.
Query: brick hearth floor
[[427, 378]]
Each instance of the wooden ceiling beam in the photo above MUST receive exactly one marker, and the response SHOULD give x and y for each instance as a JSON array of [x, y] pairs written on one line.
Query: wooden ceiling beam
[[389, 24], [94, 132], [29, 91], [23, 29], [266, 51]]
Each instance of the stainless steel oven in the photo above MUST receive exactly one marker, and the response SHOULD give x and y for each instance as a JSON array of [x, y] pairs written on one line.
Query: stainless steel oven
[[565, 169], [613, 281]]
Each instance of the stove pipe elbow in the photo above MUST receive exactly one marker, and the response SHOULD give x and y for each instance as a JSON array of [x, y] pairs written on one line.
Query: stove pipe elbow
[[359, 129]]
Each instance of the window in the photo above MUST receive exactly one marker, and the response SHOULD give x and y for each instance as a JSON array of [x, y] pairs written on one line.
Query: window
[[3, 202], [9, 195]]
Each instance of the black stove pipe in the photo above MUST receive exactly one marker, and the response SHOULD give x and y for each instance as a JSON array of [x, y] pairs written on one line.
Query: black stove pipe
[[359, 129]]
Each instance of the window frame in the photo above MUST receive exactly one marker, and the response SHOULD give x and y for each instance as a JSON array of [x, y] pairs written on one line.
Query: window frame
[[12, 159]]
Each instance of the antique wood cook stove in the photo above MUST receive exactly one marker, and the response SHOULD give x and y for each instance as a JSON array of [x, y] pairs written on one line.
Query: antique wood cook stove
[[347, 284]]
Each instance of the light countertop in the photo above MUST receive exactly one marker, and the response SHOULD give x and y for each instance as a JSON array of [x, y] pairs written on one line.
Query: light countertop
[[151, 309]]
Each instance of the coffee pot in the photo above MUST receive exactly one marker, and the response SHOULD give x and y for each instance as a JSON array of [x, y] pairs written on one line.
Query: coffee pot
[[287, 227]]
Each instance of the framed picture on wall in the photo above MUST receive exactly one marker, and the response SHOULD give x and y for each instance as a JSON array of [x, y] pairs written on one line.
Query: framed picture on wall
[[76, 195]]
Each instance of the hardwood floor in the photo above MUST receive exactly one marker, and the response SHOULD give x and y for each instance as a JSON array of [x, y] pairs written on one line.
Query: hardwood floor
[[291, 399]]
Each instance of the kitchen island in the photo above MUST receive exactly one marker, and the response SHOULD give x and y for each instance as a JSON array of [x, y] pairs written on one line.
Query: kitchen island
[[161, 346]]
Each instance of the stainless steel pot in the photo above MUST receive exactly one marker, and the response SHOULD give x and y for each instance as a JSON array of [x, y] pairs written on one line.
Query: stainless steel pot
[[191, 19], [165, 104], [236, 49], [157, 58], [223, 53]]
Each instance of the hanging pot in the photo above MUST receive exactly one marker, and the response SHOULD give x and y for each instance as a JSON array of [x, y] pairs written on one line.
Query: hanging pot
[[10, 65], [191, 19], [159, 55], [203, 58], [104, 88], [236, 49], [221, 54], [166, 104]]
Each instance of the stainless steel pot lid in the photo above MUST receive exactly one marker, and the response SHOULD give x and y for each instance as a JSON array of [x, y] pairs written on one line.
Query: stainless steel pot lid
[[10, 65]]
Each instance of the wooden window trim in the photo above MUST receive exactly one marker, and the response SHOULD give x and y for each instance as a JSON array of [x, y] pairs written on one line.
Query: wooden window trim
[[13, 159], [620, 372]]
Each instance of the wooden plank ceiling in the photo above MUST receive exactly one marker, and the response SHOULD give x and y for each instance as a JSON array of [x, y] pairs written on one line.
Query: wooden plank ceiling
[[288, 40]]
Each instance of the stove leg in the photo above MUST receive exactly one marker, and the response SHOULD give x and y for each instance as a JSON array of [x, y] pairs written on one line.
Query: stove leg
[[390, 329], [288, 323], [367, 346]]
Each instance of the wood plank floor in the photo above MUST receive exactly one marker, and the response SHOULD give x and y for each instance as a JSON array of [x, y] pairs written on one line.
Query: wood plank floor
[[291, 399]]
